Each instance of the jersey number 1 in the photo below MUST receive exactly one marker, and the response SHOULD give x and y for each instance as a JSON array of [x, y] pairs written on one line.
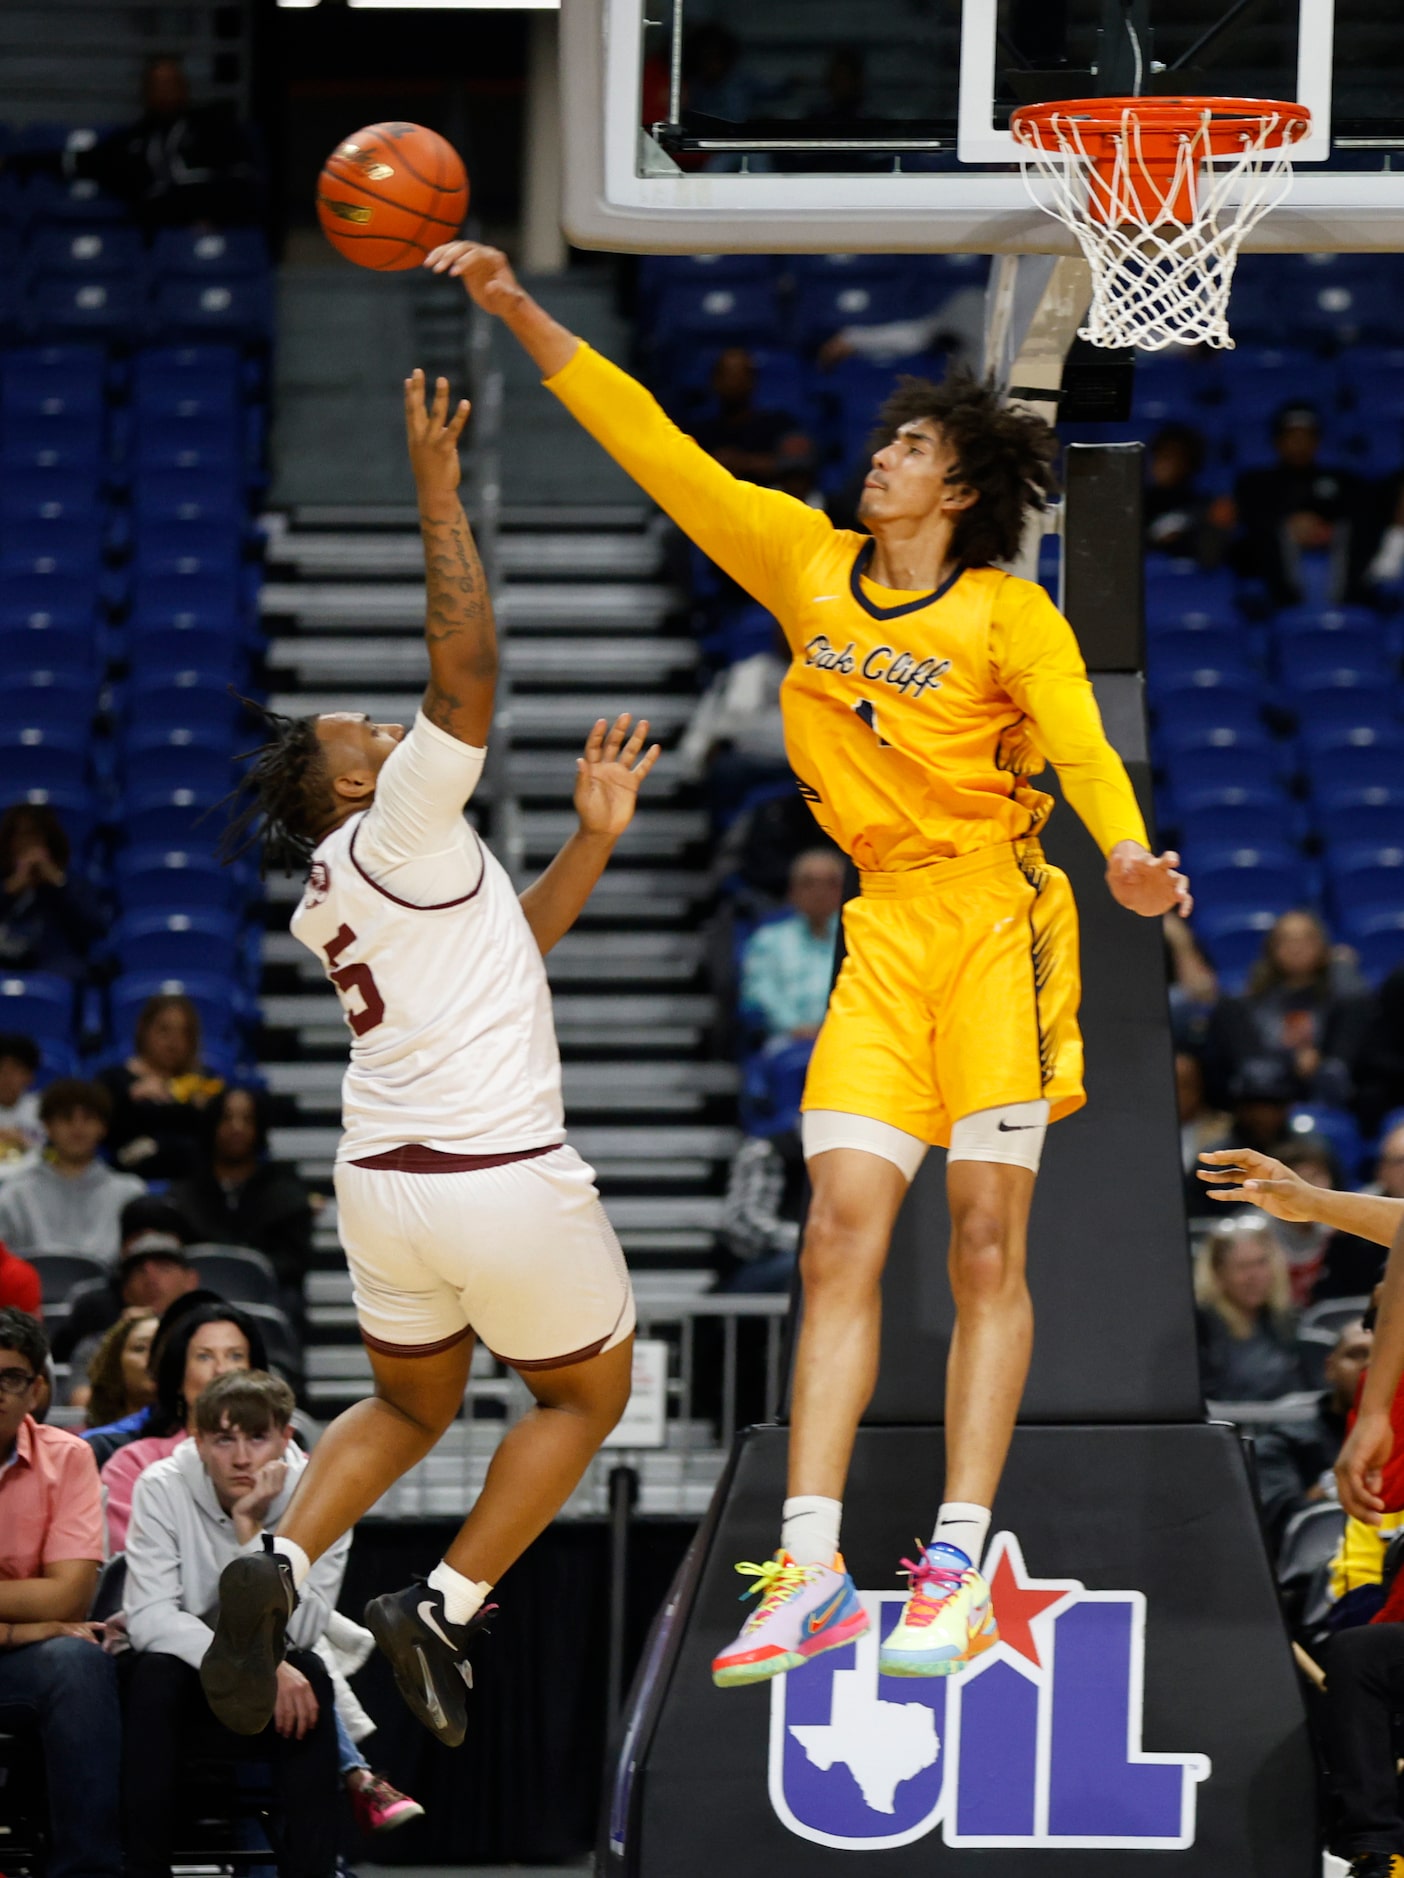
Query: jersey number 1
[[348, 978]]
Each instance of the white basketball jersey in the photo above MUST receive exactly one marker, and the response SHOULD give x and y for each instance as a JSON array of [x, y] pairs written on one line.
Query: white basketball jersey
[[452, 1041]]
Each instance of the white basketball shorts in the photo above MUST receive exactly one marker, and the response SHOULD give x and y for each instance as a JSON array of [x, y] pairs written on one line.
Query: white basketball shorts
[[519, 1254]]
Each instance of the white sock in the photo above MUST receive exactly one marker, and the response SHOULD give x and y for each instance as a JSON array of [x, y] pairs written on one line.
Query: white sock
[[463, 1597], [810, 1528], [964, 1526], [295, 1556]]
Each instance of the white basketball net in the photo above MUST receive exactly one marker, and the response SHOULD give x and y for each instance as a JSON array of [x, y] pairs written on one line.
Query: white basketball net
[[1158, 281]]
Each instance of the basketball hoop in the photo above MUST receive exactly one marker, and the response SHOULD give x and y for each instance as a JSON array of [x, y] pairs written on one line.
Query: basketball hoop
[[1159, 193]]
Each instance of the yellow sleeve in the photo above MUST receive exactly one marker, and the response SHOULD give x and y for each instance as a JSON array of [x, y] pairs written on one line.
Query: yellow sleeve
[[1037, 661], [752, 533]]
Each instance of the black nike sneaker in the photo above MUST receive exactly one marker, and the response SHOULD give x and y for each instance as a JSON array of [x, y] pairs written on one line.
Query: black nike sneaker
[[429, 1655], [1377, 1865], [240, 1670]]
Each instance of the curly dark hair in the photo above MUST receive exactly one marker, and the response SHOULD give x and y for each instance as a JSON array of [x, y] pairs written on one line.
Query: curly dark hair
[[284, 797], [108, 1400], [1004, 454]]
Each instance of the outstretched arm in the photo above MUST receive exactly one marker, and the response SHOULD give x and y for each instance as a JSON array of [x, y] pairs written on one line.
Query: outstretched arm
[[1243, 1174], [606, 793], [458, 624]]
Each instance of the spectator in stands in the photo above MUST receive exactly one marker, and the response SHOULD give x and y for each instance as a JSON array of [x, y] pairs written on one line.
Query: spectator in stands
[[20, 1288], [52, 1668], [1297, 508], [1379, 1073], [48, 919], [1200, 1126], [1304, 1008], [1294, 1460], [152, 1271], [210, 1340], [1194, 986], [240, 1197], [1177, 514], [1352, 1266], [70, 1201], [20, 1129], [842, 112], [118, 1381], [1260, 1096], [1247, 1329], [765, 1192], [787, 966], [165, 1417], [195, 1512], [1312, 1159], [762, 445], [158, 1093]]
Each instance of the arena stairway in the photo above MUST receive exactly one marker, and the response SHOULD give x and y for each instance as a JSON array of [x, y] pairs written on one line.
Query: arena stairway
[[589, 628]]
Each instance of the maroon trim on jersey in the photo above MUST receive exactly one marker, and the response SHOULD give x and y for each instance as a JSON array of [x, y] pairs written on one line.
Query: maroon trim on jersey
[[441, 906], [415, 1158], [415, 1349], [576, 1356]]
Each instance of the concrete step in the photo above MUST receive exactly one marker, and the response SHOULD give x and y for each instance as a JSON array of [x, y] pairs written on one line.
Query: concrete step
[[622, 893], [372, 606], [338, 554], [580, 958], [542, 717], [582, 1020], [573, 662], [665, 833], [699, 1144], [589, 1088]]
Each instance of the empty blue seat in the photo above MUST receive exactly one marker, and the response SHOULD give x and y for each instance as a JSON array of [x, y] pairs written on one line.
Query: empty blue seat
[[112, 305], [1213, 669], [824, 307], [1191, 599], [736, 313], [1364, 874], [214, 999], [192, 550], [1227, 774], [183, 600], [1338, 1126], [167, 939], [209, 254], [1210, 707], [86, 252], [1343, 769], [1270, 875], [216, 648], [42, 646], [63, 441], [187, 495], [51, 495], [36, 1004], [229, 308], [51, 380], [1335, 661], [1348, 720], [187, 381], [189, 698], [175, 759], [173, 815], [49, 695], [78, 200], [210, 442], [58, 545], [152, 878], [43, 756], [1377, 934], [53, 599], [1259, 825], [1360, 814]]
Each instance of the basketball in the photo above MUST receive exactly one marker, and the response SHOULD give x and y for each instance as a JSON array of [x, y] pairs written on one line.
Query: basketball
[[390, 193]]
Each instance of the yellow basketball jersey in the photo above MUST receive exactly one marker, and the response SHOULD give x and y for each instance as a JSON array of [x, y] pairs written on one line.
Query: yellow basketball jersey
[[914, 722]]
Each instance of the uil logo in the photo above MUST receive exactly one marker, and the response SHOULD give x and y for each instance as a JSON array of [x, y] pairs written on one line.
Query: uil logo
[[318, 884], [1037, 1744]]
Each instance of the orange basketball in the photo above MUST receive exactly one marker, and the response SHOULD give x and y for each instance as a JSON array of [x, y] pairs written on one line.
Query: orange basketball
[[390, 193]]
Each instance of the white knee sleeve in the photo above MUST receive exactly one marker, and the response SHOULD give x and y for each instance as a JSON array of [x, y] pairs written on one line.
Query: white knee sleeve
[[822, 1129], [1012, 1134]]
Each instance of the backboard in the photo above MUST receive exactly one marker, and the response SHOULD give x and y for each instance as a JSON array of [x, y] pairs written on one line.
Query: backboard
[[698, 126]]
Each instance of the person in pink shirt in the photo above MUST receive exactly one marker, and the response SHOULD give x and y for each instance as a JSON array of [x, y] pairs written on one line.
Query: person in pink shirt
[[53, 1670]]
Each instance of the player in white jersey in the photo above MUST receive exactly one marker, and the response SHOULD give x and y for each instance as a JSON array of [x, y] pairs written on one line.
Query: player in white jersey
[[464, 1213]]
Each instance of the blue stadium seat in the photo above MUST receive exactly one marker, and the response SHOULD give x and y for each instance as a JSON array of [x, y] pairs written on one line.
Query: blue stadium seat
[[68, 440], [212, 254], [183, 495], [212, 309], [1232, 934], [187, 381], [1213, 786], [1377, 935], [63, 545], [216, 647], [46, 647], [841, 269], [1345, 815], [78, 200], [173, 815], [660, 272], [1190, 600], [1363, 875], [1270, 875], [40, 758], [176, 599], [176, 759], [1312, 662], [214, 999], [53, 380], [1261, 825], [112, 305], [46, 698], [52, 495], [189, 698], [733, 314], [1327, 619], [1207, 709], [177, 940], [1348, 720], [161, 878], [51, 599], [1186, 745], [37, 1004], [1339, 1127], [85, 252], [210, 442], [1212, 668], [1349, 767], [190, 550], [823, 307]]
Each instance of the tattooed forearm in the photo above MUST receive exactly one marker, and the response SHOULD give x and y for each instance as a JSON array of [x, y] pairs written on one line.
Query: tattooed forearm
[[458, 627]]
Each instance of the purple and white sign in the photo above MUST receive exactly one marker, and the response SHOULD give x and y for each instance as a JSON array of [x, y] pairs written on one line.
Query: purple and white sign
[[1037, 1743]]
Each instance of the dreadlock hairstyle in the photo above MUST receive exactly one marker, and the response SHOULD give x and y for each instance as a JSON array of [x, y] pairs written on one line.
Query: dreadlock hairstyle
[[1005, 455], [283, 798]]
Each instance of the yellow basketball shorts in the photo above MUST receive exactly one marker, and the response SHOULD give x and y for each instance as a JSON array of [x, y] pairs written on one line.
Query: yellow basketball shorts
[[959, 992]]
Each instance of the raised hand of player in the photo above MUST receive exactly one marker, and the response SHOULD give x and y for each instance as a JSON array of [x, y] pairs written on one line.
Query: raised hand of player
[[432, 435], [1149, 884], [609, 774], [1244, 1174], [485, 272]]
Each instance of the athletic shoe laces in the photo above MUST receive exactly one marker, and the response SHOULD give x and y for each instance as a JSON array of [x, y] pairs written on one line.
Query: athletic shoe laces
[[776, 1579], [929, 1586]]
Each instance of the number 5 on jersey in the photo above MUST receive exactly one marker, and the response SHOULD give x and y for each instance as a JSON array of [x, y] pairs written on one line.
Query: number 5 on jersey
[[357, 978]]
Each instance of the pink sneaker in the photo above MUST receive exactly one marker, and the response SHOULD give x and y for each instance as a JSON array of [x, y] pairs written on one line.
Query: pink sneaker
[[379, 1807], [803, 1611]]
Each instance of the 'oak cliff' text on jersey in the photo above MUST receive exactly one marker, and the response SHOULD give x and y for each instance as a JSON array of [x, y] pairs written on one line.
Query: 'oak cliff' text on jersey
[[439, 976], [914, 722]]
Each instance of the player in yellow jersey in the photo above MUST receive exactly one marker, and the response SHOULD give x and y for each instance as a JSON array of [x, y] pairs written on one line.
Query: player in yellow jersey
[[926, 689]]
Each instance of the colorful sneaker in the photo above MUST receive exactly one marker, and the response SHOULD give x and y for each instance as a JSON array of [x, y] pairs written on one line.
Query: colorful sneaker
[[946, 1620], [378, 1806], [803, 1611]]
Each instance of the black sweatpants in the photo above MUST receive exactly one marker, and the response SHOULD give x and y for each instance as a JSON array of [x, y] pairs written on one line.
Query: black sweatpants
[[1364, 1692], [165, 1717]]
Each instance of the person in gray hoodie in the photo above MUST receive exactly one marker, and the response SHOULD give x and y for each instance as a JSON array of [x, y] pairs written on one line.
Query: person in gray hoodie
[[70, 1201], [192, 1513]]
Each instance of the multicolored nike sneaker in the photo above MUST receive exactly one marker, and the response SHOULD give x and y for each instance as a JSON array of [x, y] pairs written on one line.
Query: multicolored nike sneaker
[[803, 1611], [946, 1621]]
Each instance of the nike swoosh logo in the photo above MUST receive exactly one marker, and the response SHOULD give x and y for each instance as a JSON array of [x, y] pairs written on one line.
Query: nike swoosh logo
[[431, 1622], [818, 1619], [1017, 1128], [431, 1694]]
